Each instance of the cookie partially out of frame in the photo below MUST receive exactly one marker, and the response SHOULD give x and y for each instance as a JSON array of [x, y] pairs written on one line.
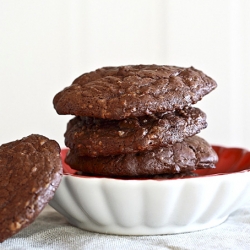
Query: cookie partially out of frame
[[131, 91], [184, 157], [30, 172], [95, 137]]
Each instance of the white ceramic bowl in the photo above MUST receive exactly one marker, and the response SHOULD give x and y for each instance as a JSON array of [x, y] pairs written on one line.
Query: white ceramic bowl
[[148, 207]]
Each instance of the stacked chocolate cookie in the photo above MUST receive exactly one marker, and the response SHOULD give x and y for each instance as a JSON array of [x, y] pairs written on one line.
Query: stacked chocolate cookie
[[135, 121]]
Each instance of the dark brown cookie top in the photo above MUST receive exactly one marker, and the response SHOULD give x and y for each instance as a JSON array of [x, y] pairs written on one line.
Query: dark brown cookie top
[[94, 137], [30, 172], [131, 91], [182, 157]]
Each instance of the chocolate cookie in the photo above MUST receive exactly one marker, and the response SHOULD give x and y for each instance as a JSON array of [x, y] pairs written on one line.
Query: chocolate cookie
[[131, 91], [182, 157], [95, 137], [30, 172]]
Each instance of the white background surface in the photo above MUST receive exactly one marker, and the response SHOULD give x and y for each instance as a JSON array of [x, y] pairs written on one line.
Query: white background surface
[[45, 45]]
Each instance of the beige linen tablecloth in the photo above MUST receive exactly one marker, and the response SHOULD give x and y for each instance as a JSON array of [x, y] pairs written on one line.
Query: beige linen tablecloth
[[51, 231]]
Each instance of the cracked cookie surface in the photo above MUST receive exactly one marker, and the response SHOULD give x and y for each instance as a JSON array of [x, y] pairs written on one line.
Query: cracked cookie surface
[[30, 172], [180, 158], [132, 91], [87, 136]]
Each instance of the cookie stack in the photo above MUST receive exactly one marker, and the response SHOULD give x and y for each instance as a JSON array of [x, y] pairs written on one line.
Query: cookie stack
[[137, 121]]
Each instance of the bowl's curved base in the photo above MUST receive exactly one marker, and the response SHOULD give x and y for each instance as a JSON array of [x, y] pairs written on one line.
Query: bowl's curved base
[[144, 230], [155, 207]]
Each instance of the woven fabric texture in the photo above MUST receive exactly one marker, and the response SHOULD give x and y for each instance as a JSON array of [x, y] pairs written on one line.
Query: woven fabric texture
[[51, 231]]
